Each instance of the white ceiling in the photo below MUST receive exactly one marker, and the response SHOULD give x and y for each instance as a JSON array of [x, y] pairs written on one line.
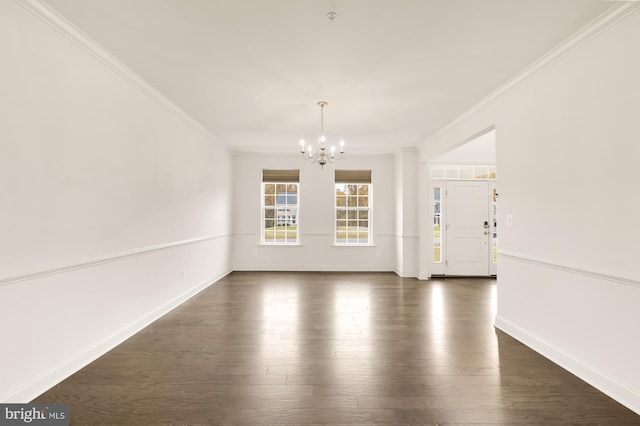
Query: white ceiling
[[393, 72]]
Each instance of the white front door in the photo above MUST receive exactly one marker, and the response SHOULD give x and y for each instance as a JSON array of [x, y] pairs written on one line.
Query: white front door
[[468, 228]]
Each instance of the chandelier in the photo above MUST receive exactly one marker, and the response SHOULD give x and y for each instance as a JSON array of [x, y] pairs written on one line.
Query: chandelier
[[319, 154]]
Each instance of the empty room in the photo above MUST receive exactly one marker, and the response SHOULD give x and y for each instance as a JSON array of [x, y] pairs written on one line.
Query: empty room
[[319, 212]]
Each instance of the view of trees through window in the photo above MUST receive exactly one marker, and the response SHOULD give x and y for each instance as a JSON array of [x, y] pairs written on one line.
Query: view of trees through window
[[280, 213], [353, 214]]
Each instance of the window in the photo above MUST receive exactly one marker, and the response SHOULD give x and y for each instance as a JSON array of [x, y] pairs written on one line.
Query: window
[[280, 206], [454, 171], [353, 207], [437, 246]]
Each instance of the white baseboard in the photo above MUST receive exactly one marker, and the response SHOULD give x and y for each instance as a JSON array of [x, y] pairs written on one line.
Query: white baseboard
[[406, 274], [313, 268], [618, 391], [65, 369]]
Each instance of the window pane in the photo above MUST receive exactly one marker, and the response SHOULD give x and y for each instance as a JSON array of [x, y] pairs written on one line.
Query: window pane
[[363, 201], [269, 233], [292, 200], [341, 201], [363, 190], [437, 258], [352, 214], [341, 214], [494, 235], [352, 201], [480, 172], [269, 214], [466, 172], [282, 217], [269, 188], [437, 172], [341, 234], [451, 172], [292, 188], [363, 214], [269, 200], [281, 188]]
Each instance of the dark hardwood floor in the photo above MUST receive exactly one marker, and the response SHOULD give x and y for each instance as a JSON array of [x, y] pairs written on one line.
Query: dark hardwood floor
[[332, 348]]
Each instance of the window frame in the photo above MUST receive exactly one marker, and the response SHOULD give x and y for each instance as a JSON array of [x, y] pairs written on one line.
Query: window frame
[[263, 215], [357, 209]]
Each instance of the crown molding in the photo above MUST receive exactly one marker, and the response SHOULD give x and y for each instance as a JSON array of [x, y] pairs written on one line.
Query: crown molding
[[59, 23], [600, 24]]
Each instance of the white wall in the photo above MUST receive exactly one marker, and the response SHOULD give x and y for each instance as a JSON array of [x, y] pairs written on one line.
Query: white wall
[[115, 206], [406, 206], [316, 217], [567, 143], [480, 150]]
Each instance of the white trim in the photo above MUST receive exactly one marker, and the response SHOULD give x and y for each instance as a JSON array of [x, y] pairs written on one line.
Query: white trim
[[406, 236], [66, 368], [618, 391], [319, 234], [105, 259], [250, 267], [608, 18], [289, 151], [412, 273], [59, 23], [353, 245], [566, 268]]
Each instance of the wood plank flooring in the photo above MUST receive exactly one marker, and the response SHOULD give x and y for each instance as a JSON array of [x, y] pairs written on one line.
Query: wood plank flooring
[[331, 348]]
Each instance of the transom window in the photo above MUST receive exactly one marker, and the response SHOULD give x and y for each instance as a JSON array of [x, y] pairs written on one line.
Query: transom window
[[460, 172], [353, 202], [280, 206]]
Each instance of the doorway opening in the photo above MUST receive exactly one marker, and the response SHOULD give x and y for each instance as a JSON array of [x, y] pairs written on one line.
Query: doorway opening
[[463, 213]]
